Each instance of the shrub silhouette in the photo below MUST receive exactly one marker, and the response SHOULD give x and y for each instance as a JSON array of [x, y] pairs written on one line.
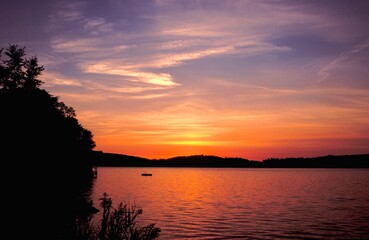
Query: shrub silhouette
[[116, 224]]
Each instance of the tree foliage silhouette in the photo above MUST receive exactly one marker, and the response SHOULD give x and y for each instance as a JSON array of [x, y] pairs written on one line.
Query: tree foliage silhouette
[[33, 119], [44, 146]]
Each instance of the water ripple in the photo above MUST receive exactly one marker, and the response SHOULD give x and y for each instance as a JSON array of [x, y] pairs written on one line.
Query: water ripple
[[244, 203]]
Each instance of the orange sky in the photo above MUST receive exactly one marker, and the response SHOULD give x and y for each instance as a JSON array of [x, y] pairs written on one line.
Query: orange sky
[[186, 130], [161, 78]]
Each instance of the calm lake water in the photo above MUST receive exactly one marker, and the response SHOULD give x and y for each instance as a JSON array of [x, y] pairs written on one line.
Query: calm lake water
[[213, 203]]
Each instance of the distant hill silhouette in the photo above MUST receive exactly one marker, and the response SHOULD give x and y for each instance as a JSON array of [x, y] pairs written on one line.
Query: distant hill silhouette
[[110, 159], [340, 161], [329, 161]]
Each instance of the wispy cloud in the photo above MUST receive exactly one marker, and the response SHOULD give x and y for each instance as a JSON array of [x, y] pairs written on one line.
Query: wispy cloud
[[75, 45], [131, 74], [67, 12], [237, 74], [98, 25], [175, 44], [150, 96], [343, 59], [51, 79]]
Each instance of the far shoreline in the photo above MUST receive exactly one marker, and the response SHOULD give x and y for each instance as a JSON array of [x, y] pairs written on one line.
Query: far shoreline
[[102, 159]]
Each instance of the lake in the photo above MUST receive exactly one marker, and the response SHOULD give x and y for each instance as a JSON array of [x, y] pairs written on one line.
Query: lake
[[243, 203]]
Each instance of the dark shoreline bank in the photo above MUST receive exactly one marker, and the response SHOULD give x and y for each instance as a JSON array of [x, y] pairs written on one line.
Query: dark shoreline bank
[[329, 161]]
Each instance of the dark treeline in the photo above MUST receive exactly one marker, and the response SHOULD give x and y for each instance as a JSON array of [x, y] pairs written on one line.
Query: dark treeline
[[330, 161], [47, 158], [110, 159], [45, 154]]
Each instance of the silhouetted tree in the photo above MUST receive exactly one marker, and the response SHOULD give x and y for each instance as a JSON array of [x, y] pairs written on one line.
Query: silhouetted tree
[[33, 121], [19, 72], [43, 145]]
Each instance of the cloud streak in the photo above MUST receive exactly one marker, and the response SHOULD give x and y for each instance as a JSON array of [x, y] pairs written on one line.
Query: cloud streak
[[131, 74], [343, 59]]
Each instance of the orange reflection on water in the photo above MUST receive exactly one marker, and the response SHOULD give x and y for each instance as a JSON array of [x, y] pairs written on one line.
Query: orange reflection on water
[[208, 203]]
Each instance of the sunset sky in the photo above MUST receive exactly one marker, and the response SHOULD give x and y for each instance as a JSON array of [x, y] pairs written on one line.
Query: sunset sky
[[233, 78]]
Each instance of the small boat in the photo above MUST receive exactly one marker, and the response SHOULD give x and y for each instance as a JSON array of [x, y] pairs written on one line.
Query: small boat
[[94, 172], [146, 174]]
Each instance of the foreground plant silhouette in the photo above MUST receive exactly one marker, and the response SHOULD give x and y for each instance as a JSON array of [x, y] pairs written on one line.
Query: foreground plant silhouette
[[116, 224]]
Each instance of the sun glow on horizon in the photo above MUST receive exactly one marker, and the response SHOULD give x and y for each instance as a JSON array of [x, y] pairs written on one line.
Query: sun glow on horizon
[[252, 79]]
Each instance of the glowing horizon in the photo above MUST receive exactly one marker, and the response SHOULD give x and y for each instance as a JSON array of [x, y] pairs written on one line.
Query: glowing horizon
[[162, 78]]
